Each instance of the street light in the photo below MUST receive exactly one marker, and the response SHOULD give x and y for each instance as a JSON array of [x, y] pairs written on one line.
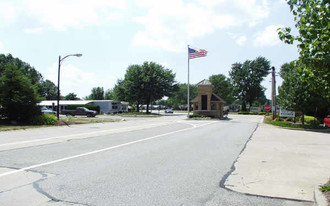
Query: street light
[[58, 81]]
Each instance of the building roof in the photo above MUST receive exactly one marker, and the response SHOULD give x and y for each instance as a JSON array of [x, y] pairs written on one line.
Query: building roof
[[214, 98], [204, 83], [64, 102], [195, 100], [73, 102]]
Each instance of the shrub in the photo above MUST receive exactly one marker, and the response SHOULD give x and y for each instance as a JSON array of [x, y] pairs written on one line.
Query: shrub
[[45, 119], [325, 188], [314, 123], [308, 119], [278, 118], [288, 119], [197, 116], [245, 113], [262, 113]]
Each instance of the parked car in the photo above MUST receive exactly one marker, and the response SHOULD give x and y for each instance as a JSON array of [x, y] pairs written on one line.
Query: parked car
[[80, 111], [327, 121], [45, 110], [169, 110]]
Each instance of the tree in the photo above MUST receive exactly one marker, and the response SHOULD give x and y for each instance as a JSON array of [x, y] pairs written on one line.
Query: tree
[[298, 95], [147, 83], [246, 79], [179, 96], [97, 94], [119, 92], [312, 19], [109, 95], [71, 96], [18, 97], [48, 90], [222, 87], [34, 76]]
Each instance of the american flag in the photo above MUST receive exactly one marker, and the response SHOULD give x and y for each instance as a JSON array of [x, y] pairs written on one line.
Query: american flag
[[196, 53]]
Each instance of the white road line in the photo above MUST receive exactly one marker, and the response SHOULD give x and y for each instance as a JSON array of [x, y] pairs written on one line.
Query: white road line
[[98, 151], [84, 134]]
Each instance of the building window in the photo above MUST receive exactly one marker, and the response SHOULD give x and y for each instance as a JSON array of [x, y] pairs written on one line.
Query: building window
[[114, 105], [204, 102]]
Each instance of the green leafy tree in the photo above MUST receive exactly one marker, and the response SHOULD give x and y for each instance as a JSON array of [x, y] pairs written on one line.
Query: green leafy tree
[[97, 94], [71, 96], [223, 87], [246, 79], [34, 76], [179, 96], [146, 83], [312, 19], [48, 90], [298, 95], [109, 95], [18, 97]]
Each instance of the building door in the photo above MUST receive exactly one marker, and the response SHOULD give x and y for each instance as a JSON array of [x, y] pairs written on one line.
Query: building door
[[204, 102]]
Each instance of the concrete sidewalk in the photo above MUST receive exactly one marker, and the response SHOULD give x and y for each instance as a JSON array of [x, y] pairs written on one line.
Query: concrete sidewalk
[[282, 163]]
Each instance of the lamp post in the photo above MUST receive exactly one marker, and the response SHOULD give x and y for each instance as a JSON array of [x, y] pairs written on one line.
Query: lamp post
[[58, 81]]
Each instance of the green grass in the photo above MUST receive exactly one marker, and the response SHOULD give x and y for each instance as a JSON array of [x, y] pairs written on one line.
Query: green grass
[[286, 124], [75, 120], [63, 121], [18, 127], [325, 188]]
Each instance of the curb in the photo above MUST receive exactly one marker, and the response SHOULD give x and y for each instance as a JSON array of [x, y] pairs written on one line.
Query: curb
[[320, 199]]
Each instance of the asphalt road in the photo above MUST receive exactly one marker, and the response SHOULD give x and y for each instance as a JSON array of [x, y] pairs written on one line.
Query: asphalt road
[[140, 161]]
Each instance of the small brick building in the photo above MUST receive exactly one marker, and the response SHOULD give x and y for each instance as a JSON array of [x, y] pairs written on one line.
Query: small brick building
[[207, 103]]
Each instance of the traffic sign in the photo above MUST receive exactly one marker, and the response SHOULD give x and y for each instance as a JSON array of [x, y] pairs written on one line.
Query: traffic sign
[[267, 108]]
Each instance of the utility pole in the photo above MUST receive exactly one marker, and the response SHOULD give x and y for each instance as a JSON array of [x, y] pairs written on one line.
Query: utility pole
[[273, 93]]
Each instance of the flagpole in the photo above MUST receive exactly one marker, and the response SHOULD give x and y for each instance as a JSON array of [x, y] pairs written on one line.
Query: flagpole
[[188, 107]]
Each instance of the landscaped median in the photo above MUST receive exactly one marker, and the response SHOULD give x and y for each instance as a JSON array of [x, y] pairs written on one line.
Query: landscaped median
[[136, 114], [309, 123]]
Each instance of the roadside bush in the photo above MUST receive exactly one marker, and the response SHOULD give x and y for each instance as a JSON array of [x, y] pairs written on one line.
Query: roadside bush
[[314, 123], [197, 116], [289, 119], [278, 119], [262, 113], [309, 119], [45, 119], [245, 113], [325, 188]]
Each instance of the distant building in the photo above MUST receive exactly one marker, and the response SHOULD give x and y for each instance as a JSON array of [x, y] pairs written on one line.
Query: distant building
[[106, 106], [207, 103]]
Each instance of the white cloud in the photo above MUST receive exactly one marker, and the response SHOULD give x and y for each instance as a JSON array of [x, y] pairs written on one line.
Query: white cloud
[[241, 40], [72, 79], [8, 11], [254, 10], [267, 37], [173, 24], [61, 14], [33, 30]]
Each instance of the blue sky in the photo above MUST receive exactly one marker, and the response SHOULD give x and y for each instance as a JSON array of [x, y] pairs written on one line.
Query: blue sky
[[113, 34]]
